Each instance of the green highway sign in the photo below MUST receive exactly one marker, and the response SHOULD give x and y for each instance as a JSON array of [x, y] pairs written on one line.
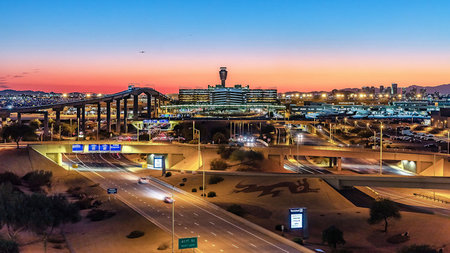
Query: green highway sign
[[187, 243]]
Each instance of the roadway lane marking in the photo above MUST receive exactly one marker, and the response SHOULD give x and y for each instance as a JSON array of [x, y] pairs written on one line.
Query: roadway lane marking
[[229, 232], [212, 223], [253, 245], [213, 233], [157, 185], [235, 246], [195, 214], [196, 224], [181, 214]]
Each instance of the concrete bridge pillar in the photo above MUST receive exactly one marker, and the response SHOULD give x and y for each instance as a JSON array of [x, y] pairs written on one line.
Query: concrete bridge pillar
[[108, 116], [339, 163], [83, 119], [125, 113], [155, 108], [19, 118], [99, 117], [118, 116], [149, 105], [58, 116], [46, 132], [135, 106]]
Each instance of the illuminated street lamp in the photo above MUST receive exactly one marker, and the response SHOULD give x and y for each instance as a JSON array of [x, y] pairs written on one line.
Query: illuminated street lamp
[[381, 148], [197, 132]]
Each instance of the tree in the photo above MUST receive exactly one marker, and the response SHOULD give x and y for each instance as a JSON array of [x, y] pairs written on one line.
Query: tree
[[7, 246], [333, 236], [37, 179], [417, 249], [18, 132], [218, 164], [219, 138], [35, 124], [383, 210]]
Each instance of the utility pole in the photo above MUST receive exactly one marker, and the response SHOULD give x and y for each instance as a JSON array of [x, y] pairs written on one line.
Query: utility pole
[[173, 219], [381, 148]]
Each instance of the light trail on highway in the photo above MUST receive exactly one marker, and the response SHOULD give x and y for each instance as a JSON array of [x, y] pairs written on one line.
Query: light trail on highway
[[216, 232]]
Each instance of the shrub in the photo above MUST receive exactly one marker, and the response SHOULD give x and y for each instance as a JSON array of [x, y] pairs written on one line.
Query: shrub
[[168, 174], [163, 246], [56, 239], [184, 179], [398, 238], [57, 246], [37, 179], [99, 214], [212, 194], [182, 184], [194, 189], [218, 164], [278, 227], [201, 188], [135, 234], [298, 240], [215, 179], [9, 177], [417, 249], [237, 209], [83, 204], [7, 246]]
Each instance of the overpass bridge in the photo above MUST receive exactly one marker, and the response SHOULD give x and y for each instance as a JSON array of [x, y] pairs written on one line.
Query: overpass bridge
[[427, 163], [120, 99], [185, 156]]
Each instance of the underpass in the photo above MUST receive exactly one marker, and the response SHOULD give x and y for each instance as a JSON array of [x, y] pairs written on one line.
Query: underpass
[[194, 217]]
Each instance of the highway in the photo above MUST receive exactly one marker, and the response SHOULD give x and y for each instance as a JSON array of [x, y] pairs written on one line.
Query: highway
[[216, 232]]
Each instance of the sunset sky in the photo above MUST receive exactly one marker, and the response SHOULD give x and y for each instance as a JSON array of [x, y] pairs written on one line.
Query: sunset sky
[[93, 46]]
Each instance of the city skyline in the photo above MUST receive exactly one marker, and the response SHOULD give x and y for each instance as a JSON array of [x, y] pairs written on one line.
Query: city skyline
[[293, 46]]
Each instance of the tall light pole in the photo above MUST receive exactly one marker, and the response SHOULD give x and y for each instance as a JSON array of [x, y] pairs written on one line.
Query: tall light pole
[[381, 148], [173, 218], [197, 131], [448, 141]]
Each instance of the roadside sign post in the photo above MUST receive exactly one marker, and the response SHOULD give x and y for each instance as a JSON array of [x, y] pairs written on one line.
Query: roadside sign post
[[111, 191], [298, 220], [188, 243]]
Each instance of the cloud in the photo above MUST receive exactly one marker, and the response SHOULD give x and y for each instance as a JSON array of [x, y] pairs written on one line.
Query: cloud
[[17, 76], [3, 85]]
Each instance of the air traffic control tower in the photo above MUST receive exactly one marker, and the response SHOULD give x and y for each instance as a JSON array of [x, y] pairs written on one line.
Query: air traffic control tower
[[223, 75]]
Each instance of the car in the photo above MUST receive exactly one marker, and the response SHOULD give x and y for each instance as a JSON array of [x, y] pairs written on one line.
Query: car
[[143, 180], [168, 200]]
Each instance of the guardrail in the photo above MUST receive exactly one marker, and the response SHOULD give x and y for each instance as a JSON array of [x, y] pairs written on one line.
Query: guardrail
[[431, 198]]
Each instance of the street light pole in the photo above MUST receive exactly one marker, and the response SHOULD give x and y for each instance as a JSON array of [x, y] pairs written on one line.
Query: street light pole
[[173, 219], [381, 148], [197, 131]]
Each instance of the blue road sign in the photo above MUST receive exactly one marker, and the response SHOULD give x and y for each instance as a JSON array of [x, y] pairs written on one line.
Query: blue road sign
[[77, 147], [115, 147], [104, 147], [93, 147], [112, 191]]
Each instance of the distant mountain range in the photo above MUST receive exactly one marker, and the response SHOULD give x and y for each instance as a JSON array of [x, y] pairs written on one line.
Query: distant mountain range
[[443, 89], [20, 92]]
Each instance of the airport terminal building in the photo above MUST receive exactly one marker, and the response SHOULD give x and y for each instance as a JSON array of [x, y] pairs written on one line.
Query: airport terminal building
[[222, 95]]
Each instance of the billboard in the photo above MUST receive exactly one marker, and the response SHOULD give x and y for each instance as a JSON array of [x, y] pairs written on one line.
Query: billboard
[[104, 147], [77, 148], [297, 218], [115, 147], [158, 162], [93, 147]]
